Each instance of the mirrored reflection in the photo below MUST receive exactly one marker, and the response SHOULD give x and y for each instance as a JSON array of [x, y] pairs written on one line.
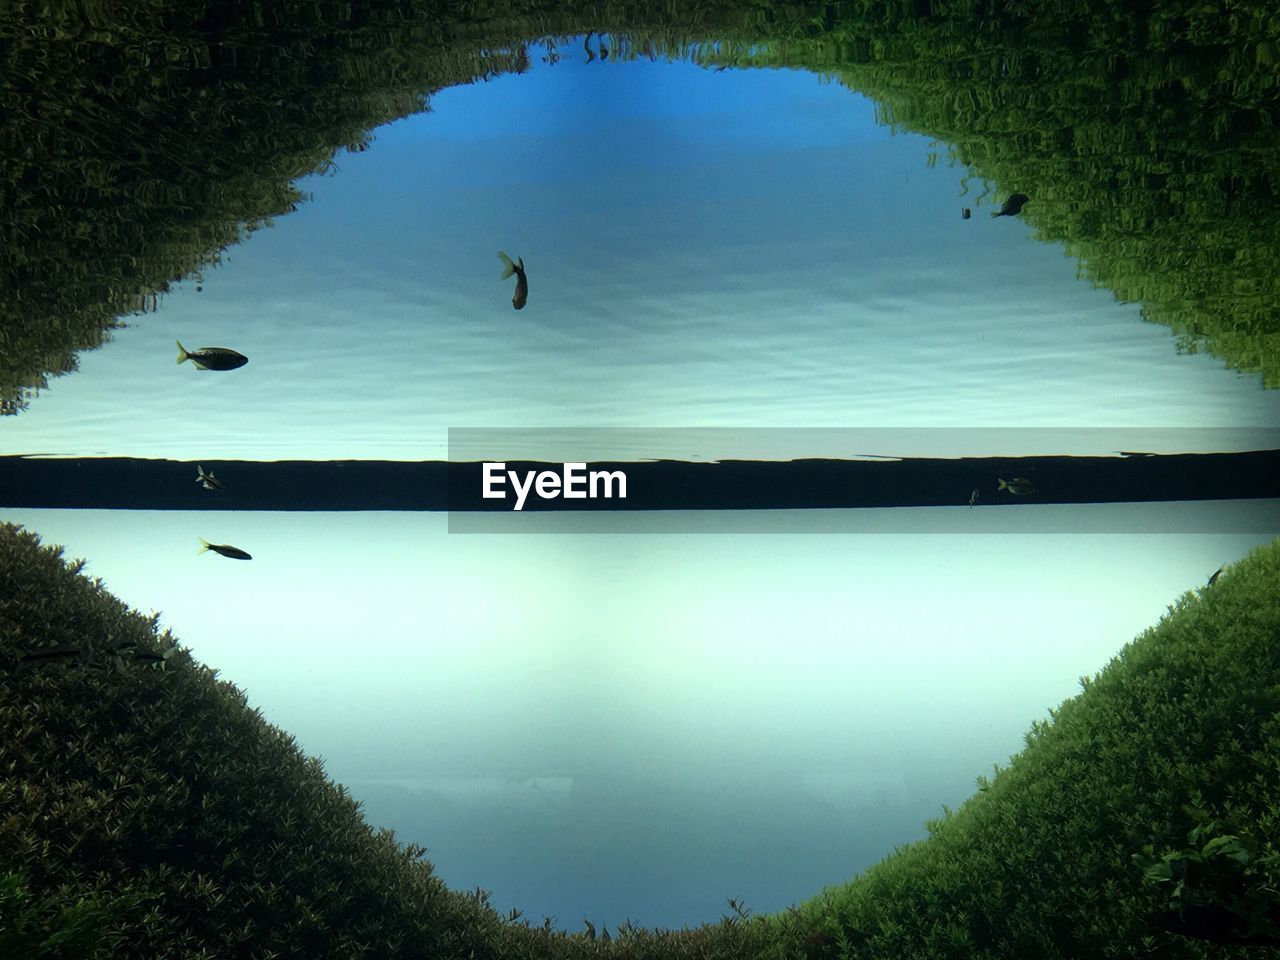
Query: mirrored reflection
[[314, 232], [712, 242]]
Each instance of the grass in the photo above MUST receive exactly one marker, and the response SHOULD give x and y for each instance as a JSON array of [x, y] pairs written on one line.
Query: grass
[[148, 810]]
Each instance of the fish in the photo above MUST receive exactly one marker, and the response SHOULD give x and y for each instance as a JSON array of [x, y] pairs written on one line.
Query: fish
[[235, 553], [1134, 453], [522, 282], [1216, 574], [973, 498], [208, 479], [212, 358], [966, 213], [1013, 206], [1018, 486]]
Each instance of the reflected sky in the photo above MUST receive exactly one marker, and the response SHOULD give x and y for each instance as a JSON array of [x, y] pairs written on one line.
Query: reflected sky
[[642, 726], [727, 249]]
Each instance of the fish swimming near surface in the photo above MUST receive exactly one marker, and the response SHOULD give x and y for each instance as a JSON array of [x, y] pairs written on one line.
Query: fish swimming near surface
[[1013, 206], [212, 358], [966, 213], [235, 553], [209, 481], [1018, 486], [522, 282]]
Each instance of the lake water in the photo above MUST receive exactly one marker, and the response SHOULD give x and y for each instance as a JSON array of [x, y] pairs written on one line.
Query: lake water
[[704, 249], [636, 726], [640, 727]]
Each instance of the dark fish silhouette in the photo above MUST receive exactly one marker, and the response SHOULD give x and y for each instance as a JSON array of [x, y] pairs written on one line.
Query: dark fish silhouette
[[1013, 206], [966, 213], [212, 358], [235, 553], [1018, 486], [522, 282], [209, 481]]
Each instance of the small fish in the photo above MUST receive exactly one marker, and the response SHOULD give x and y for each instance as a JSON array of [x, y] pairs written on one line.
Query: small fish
[[1216, 574], [212, 358], [208, 479], [966, 213], [973, 498], [522, 282], [1018, 486], [1013, 206], [235, 553]]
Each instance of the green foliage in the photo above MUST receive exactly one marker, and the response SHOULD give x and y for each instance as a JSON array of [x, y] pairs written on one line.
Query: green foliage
[[1076, 848], [28, 932], [1216, 875], [1148, 140], [1147, 136]]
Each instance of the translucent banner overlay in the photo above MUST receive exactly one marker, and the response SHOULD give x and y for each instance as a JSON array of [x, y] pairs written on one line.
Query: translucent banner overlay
[[709, 444], [864, 480], [1209, 517]]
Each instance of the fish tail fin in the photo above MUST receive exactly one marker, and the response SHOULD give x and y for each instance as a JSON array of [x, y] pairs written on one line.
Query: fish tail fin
[[204, 545], [182, 351], [510, 268]]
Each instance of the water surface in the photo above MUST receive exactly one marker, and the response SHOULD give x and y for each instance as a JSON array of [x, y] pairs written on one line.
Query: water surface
[[643, 726], [705, 249]]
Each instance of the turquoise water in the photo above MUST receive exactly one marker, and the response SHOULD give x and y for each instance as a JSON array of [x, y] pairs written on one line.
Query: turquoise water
[[643, 726], [637, 726], [731, 249]]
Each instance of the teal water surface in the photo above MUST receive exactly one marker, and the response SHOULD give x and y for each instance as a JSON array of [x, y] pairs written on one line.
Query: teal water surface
[[644, 726], [717, 249], [640, 727]]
